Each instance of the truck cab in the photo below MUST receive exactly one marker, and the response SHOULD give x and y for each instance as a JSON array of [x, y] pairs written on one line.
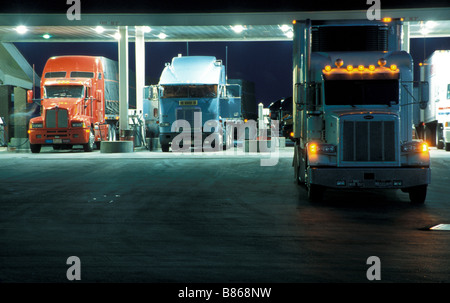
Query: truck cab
[[192, 88], [72, 104], [353, 109]]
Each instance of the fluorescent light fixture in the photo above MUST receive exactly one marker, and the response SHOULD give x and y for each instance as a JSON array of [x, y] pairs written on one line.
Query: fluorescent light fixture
[[285, 27], [99, 29], [424, 31], [46, 36], [117, 36], [289, 34], [430, 24], [146, 29], [21, 29], [162, 36], [237, 29]]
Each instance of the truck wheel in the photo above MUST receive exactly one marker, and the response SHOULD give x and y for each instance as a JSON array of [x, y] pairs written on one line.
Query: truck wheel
[[315, 192], [418, 194], [35, 148], [440, 137], [165, 148], [88, 147], [447, 146]]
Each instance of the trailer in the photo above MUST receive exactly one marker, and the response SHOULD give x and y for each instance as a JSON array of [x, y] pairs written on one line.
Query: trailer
[[353, 109], [79, 103], [434, 121]]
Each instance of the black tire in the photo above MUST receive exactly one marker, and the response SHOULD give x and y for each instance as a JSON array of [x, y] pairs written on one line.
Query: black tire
[[35, 148], [430, 134], [418, 194], [165, 148], [89, 147], [315, 192], [439, 137]]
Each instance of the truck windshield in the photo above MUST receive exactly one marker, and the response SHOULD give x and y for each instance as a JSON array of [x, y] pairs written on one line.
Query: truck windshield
[[64, 91], [190, 91], [361, 92]]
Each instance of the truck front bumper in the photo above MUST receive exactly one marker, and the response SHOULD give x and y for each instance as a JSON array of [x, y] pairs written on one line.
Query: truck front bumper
[[361, 177], [50, 137], [197, 139]]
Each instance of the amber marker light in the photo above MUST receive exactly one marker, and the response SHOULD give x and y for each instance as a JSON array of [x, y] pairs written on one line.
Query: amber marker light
[[371, 67], [387, 19], [327, 68], [339, 63], [349, 68], [382, 62], [393, 67], [424, 147], [360, 68], [313, 148]]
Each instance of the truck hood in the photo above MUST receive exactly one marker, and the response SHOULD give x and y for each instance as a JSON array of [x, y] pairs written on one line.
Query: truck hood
[[66, 103]]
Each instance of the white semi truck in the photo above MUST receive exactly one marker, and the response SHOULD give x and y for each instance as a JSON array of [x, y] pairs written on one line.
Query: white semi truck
[[353, 109], [434, 121]]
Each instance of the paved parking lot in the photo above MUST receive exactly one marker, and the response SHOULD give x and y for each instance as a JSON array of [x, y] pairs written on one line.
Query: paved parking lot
[[215, 217]]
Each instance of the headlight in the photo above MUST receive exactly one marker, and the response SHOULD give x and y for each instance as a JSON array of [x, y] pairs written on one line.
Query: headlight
[[78, 124], [36, 125], [164, 124], [321, 148], [414, 147]]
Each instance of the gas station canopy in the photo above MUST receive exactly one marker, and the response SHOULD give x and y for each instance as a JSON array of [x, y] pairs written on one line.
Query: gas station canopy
[[262, 26]]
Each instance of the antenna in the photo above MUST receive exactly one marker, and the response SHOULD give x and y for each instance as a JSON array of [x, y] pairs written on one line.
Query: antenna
[[33, 82], [226, 63]]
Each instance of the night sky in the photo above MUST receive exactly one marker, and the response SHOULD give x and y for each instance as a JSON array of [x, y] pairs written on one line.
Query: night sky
[[267, 64]]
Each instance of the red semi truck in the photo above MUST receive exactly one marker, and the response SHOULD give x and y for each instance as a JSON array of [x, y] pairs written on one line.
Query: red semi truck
[[79, 103]]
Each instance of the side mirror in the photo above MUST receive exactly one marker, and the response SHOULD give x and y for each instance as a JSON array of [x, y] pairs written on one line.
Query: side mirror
[[424, 91], [29, 96]]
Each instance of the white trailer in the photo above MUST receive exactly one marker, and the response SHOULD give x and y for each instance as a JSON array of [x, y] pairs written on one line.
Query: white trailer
[[435, 118]]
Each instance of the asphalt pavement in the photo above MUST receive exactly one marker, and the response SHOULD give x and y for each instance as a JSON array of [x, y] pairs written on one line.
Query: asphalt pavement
[[209, 217]]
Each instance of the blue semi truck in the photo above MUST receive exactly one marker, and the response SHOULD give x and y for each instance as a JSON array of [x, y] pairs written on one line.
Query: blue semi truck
[[196, 104]]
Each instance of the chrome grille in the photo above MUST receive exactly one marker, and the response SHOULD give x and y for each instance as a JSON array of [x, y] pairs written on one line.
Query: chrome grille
[[62, 118], [50, 118], [187, 114], [369, 141], [56, 118]]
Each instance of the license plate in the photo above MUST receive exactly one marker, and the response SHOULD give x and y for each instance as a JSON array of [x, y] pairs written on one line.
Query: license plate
[[188, 102], [57, 140]]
